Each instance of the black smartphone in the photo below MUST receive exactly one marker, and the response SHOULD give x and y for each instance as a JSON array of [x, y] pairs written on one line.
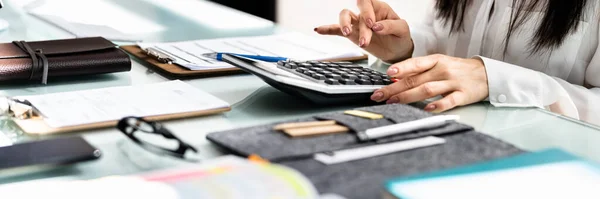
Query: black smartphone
[[52, 152]]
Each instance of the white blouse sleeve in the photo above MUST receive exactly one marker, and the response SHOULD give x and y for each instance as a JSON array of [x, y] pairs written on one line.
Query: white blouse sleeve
[[515, 86], [422, 34]]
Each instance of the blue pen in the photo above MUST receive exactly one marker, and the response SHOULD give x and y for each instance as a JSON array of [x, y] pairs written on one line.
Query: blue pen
[[219, 56]]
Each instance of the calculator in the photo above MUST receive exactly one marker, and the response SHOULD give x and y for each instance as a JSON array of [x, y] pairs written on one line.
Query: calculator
[[318, 81]]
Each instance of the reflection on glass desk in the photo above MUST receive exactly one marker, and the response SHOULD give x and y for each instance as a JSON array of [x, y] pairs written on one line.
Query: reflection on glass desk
[[253, 101]]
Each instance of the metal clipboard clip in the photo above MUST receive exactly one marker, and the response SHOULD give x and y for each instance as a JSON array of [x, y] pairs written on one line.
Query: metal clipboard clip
[[158, 55], [15, 108]]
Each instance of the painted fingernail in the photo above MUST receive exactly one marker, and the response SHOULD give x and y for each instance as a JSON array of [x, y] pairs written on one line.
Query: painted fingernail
[[430, 108], [392, 71], [393, 100], [361, 43], [377, 96], [369, 23], [315, 29], [377, 27], [346, 31]]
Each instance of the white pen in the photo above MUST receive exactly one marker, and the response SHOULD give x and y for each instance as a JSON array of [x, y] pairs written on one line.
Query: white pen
[[406, 127]]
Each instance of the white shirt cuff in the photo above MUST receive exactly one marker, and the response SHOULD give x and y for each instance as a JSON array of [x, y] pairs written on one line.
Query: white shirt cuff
[[512, 86]]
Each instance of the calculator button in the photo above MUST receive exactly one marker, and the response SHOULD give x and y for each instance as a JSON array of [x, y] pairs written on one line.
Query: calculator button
[[357, 69], [333, 76], [306, 65], [318, 76], [300, 69], [377, 81], [339, 72], [364, 77], [291, 65], [363, 82], [309, 73], [281, 62], [320, 65], [351, 66], [349, 76], [326, 72], [332, 81], [326, 62], [387, 81], [333, 65], [375, 77], [347, 82], [318, 70]]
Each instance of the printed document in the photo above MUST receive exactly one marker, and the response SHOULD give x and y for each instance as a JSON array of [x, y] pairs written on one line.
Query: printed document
[[290, 45], [110, 104]]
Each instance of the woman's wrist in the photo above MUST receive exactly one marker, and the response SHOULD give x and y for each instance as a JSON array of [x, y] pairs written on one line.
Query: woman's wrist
[[404, 56]]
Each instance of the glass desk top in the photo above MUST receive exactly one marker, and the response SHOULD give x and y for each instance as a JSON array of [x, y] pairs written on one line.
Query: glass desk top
[[253, 102]]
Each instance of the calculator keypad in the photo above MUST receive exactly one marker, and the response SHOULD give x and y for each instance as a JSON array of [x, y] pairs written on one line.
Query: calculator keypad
[[336, 73]]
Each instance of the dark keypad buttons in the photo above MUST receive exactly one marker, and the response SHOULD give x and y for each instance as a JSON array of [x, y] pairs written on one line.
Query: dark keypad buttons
[[347, 82], [364, 77], [339, 72], [375, 77], [309, 73], [325, 72], [364, 82], [318, 70], [351, 66], [306, 65], [333, 76], [387, 81], [332, 82], [377, 81], [318, 76], [291, 65], [320, 65], [300, 69], [349, 76]]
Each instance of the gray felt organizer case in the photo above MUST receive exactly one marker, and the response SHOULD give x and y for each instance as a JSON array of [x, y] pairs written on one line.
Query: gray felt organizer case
[[364, 178]]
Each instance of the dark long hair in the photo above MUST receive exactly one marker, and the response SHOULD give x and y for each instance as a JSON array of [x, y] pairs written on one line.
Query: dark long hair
[[561, 18]]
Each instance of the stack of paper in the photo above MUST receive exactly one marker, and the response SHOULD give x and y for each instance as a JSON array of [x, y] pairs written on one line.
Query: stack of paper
[[291, 45]]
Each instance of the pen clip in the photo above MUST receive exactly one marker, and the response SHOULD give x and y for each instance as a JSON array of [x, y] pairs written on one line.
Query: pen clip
[[158, 55]]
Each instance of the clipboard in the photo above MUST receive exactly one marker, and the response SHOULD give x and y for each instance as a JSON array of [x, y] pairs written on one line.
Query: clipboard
[[175, 71], [88, 110], [38, 126]]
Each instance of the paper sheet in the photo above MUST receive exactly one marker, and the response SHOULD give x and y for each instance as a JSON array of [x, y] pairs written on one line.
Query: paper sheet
[[95, 18], [109, 104], [291, 45]]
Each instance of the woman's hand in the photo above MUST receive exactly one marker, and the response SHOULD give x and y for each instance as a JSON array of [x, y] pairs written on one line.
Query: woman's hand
[[377, 29], [460, 81]]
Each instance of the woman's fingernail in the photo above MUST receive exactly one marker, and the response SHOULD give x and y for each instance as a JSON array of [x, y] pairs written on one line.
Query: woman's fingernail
[[346, 31], [377, 27], [361, 43], [369, 23], [377, 95], [430, 108], [392, 71], [315, 29], [393, 100]]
